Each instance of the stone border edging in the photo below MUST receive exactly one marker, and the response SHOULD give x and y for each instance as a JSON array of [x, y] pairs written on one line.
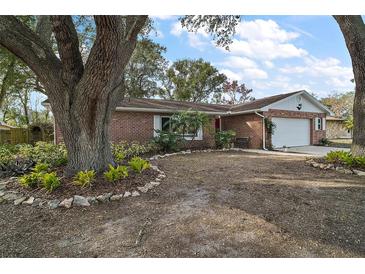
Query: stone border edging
[[339, 169], [77, 200]]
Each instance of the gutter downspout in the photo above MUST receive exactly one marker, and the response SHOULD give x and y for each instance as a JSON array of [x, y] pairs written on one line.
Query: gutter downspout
[[263, 130]]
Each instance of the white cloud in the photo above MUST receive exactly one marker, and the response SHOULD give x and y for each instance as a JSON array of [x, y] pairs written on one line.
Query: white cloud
[[269, 64], [245, 74], [176, 29], [265, 49], [231, 75], [329, 69], [239, 62], [195, 39], [264, 30]]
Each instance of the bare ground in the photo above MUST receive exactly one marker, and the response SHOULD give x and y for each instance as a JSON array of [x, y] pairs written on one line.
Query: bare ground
[[211, 205]]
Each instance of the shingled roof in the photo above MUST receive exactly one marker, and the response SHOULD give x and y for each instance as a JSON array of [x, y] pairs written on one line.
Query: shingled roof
[[143, 104], [158, 104]]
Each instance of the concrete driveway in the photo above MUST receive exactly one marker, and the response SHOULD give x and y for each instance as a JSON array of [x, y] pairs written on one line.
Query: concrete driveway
[[313, 150]]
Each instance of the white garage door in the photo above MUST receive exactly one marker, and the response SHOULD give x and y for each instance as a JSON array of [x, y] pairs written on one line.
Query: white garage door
[[291, 132]]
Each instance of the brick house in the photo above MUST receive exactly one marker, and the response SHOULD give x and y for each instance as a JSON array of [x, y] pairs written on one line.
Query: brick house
[[299, 119]]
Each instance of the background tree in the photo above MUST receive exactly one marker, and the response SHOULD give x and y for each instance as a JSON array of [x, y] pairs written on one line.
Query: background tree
[[146, 69], [353, 30], [340, 103], [193, 80], [83, 94], [234, 93]]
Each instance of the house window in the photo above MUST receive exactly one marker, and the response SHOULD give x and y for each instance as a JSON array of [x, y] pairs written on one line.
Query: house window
[[163, 123], [320, 123]]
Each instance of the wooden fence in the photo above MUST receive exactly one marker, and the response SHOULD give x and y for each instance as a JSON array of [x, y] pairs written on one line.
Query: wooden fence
[[14, 136]]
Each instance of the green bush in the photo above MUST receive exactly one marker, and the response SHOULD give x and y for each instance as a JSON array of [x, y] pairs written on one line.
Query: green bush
[[324, 142], [223, 139], [53, 155], [345, 158], [84, 178], [41, 167], [30, 180], [124, 150], [138, 164], [116, 173], [50, 181], [168, 141]]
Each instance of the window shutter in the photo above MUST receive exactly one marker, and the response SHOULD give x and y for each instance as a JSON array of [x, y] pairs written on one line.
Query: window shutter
[[156, 124], [323, 123]]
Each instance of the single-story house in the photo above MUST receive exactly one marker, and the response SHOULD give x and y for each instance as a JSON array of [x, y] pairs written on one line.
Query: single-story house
[[336, 128], [299, 119]]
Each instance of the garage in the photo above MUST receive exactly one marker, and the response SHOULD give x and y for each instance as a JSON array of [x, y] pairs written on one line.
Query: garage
[[291, 132]]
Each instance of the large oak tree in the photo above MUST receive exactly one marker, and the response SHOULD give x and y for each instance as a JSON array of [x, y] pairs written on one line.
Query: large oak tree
[[83, 95], [353, 30]]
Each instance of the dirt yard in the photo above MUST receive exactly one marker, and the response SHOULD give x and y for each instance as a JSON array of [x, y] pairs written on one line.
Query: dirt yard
[[211, 205]]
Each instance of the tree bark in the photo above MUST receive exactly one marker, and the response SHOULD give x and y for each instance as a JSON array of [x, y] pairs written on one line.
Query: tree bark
[[353, 30], [82, 97]]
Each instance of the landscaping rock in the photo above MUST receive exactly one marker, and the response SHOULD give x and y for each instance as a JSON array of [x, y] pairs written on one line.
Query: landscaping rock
[[347, 171], [11, 196], [359, 172], [161, 176], [148, 185], [19, 201], [66, 203], [117, 197], [80, 201], [104, 197], [53, 204], [322, 166], [127, 194], [29, 201], [37, 202], [135, 193], [314, 164], [142, 189], [92, 200], [2, 193], [155, 183]]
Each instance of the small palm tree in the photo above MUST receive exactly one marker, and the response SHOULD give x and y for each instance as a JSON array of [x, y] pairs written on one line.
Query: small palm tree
[[349, 123]]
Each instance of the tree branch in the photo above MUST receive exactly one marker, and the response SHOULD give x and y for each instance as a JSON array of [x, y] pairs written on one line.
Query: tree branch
[[68, 48], [28, 46], [44, 29]]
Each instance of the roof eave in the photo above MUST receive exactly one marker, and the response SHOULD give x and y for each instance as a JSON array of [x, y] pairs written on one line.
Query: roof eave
[[161, 110]]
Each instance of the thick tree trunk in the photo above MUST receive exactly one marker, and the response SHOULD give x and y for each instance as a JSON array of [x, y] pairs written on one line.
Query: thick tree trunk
[[353, 30]]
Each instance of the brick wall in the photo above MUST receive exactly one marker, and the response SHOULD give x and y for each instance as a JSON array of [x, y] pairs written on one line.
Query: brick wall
[[138, 126], [315, 135], [245, 125]]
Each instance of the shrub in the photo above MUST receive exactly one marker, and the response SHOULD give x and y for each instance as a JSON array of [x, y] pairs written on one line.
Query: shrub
[[138, 164], [167, 141], [339, 157], [124, 150], [116, 173], [50, 181], [30, 180], [84, 178], [345, 158], [53, 155], [324, 142], [41, 167], [223, 139]]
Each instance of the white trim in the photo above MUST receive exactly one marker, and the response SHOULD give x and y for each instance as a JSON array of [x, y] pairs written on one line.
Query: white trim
[[156, 124], [323, 123]]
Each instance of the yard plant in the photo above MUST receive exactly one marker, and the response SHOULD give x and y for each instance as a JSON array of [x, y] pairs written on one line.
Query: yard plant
[[138, 164], [224, 139], [116, 173], [84, 178], [345, 158]]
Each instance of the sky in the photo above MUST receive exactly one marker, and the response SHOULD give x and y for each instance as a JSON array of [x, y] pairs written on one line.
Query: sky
[[270, 54]]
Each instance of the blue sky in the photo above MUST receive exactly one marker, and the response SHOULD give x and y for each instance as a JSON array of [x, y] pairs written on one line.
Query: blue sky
[[271, 54]]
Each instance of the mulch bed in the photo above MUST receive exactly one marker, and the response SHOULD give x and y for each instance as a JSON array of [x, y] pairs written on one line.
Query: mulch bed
[[100, 186]]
